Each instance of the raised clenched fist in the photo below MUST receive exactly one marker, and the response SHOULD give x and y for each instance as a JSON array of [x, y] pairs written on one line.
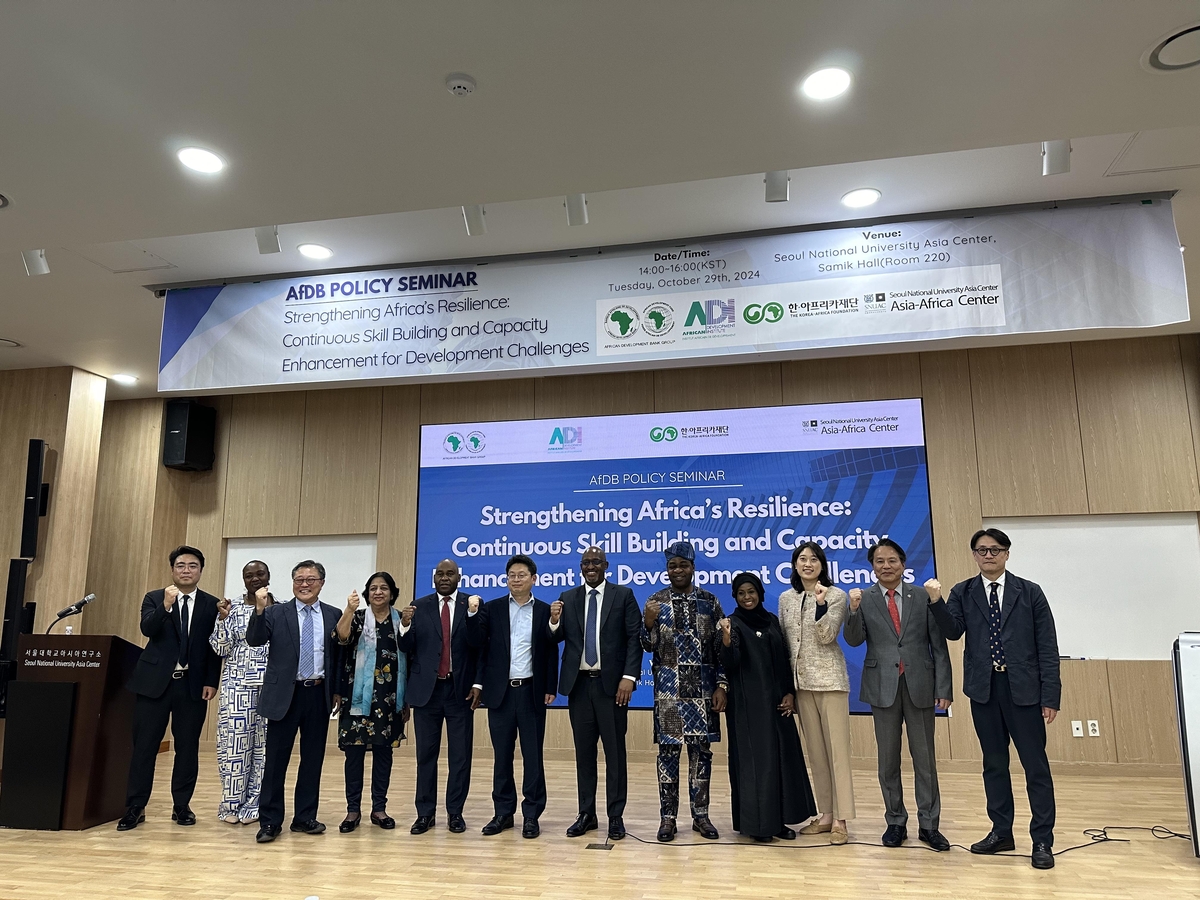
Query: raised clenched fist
[[223, 607], [352, 602], [170, 595], [819, 593], [406, 615], [261, 596], [556, 609], [650, 616], [855, 599], [473, 603], [933, 588]]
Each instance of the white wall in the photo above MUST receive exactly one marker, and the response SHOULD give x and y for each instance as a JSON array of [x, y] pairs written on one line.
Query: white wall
[[348, 560]]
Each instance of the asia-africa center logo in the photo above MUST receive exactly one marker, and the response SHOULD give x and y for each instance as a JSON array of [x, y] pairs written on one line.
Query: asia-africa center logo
[[621, 322], [658, 435]]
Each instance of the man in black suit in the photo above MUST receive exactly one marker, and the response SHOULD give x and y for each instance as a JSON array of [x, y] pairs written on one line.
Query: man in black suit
[[176, 675], [599, 624], [1010, 672], [518, 666], [441, 678], [297, 695]]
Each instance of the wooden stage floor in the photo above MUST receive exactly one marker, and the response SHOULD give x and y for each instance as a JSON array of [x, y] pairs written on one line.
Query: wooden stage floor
[[215, 860]]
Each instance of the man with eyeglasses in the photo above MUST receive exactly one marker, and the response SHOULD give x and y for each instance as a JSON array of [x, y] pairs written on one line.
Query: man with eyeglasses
[[599, 623], [518, 675], [1010, 673], [297, 695]]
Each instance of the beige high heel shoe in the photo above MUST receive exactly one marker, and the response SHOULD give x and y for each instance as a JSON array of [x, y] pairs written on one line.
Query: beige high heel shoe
[[815, 827]]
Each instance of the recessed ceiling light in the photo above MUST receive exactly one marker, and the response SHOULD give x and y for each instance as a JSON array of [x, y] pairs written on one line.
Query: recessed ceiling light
[[1178, 50], [825, 84], [9, 344], [200, 160], [123, 379], [315, 251], [3, 201], [857, 199]]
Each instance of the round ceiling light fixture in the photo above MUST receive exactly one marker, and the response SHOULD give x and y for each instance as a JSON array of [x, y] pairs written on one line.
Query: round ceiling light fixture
[[123, 379], [861, 197], [825, 84], [1178, 50], [3, 201], [315, 251], [200, 160], [9, 344]]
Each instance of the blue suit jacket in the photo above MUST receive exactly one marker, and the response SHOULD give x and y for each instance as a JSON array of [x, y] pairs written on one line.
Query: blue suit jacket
[[279, 625], [488, 632], [1026, 631]]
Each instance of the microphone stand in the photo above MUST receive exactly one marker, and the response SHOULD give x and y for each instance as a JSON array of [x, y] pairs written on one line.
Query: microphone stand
[[74, 612]]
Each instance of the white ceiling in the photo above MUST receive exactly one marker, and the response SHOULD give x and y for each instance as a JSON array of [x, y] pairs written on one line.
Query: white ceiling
[[338, 128]]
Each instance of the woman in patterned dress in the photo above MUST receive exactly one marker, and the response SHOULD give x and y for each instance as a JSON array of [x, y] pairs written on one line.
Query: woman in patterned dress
[[373, 677]]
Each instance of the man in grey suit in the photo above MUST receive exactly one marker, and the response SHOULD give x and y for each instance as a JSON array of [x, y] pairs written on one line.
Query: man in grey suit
[[906, 676]]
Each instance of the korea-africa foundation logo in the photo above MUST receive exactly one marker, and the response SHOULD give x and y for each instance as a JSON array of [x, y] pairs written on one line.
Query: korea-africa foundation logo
[[658, 319], [476, 442], [769, 313], [621, 322], [454, 442], [658, 435], [875, 302]]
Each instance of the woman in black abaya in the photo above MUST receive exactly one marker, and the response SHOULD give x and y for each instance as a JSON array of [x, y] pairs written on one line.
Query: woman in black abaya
[[767, 777]]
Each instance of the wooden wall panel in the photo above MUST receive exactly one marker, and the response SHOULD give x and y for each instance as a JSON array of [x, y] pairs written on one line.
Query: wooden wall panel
[[891, 377], [1143, 711], [1085, 695], [1027, 431], [477, 401], [618, 393], [170, 524], [717, 387], [339, 487], [206, 503], [266, 456], [1189, 351], [398, 467], [1137, 438]]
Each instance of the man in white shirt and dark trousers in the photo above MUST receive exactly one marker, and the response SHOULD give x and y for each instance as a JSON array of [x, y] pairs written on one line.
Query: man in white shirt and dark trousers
[[598, 623]]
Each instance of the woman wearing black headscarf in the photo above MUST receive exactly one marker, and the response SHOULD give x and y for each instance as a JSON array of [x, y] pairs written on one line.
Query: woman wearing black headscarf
[[767, 778]]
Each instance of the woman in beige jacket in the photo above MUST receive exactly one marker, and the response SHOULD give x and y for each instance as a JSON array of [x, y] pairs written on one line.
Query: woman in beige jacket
[[811, 614]]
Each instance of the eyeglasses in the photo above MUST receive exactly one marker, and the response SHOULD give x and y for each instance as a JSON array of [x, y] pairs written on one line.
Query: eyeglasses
[[989, 551], [591, 562], [518, 576], [307, 581]]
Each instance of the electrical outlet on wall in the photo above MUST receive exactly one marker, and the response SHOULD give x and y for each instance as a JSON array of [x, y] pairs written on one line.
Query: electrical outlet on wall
[[1093, 728], [1076, 728]]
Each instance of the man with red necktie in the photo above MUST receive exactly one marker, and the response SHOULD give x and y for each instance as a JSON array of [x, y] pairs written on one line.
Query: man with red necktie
[[905, 678]]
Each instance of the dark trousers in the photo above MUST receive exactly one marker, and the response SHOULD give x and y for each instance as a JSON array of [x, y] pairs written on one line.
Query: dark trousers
[[381, 776], [918, 722], [596, 716], [456, 712], [995, 722], [523, 713], [309, 715], [149, 726]]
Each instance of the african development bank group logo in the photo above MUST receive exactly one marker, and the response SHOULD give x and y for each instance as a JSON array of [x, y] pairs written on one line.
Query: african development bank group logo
[[621, 322], [658, 319], [456, 443]]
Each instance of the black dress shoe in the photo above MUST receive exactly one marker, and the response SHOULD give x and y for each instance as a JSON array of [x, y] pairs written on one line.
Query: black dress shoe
[[383, 820], [312, 826], [267, 833], [1042, 857], [498, 824], [348, 824], [933, 838], [666, 830], [787, 834], [424, 823], [764, 840], [134, 816], [183, 816], [616, 829], [994, 843], [895, 836], [705, 829], [457, 824], [530, 828], [581, 826]]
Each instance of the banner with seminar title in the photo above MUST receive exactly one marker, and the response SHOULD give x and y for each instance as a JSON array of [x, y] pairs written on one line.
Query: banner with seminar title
[[1112, 266], [745, 486]]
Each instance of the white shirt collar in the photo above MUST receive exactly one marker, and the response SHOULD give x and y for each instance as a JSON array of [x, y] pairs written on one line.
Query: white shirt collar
[[987, 584], [599, 589]]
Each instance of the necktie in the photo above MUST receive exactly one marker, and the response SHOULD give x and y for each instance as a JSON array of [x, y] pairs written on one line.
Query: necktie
[[994, 626], [306, 642], [444, 663], [183, 630], [894, 610], [591, 652]]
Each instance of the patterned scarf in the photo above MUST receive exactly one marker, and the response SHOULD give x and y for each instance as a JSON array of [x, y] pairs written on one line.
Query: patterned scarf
[[364, 666]]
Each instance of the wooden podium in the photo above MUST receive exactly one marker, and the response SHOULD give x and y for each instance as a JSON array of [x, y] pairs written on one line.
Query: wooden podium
[[69, 736]]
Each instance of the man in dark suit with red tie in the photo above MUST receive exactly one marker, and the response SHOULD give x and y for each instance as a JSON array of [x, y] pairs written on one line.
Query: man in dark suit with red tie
[[441, 678], [1010, 672], [176, 675], [599, 624]]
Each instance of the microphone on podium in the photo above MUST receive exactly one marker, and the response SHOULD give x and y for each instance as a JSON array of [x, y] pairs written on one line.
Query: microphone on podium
[[73, 610]]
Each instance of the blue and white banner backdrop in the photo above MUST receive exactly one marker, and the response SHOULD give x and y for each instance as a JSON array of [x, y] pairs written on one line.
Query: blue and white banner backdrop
[[744, 485], [1112, 266]]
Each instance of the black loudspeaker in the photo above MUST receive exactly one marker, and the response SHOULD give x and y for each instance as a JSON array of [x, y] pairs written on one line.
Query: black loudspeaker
[[190, 433], [37, 496]]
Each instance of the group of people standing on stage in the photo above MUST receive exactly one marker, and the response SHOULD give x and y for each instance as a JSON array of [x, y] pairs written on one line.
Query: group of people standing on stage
[[288, 665]]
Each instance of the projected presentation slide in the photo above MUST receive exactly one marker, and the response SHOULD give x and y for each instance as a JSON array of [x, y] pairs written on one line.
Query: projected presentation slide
[[745, 486]]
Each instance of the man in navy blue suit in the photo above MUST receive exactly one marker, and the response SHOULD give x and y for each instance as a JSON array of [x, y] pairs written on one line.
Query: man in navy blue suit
[[1010, 672], [518, 676], [297, 695], [441, 679]]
